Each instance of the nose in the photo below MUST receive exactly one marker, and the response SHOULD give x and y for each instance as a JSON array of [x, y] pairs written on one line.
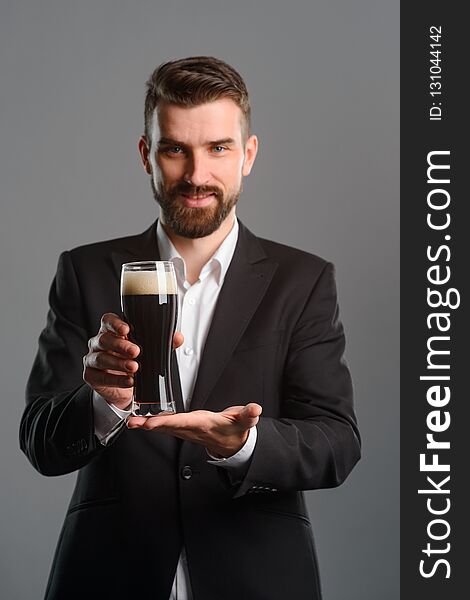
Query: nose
[[197, 171]]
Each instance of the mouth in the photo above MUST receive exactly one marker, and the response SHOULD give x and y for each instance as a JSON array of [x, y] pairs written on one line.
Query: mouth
[[198, 201]]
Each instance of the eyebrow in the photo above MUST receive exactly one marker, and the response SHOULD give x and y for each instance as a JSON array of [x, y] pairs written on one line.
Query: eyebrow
[[165, 141]]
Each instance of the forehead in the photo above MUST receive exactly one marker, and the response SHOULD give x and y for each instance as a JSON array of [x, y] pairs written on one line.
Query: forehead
[[211, 121]]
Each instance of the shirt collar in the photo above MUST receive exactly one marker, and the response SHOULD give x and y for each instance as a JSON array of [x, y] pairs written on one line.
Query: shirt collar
[[220, 260]]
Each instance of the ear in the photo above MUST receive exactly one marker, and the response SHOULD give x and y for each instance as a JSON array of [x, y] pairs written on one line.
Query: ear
[[145, 154], [251, 150]]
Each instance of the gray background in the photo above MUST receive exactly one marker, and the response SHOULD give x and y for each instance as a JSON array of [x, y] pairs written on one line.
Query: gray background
[[324, 81]]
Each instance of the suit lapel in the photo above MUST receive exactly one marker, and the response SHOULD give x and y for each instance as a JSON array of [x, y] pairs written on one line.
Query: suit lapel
[[139, 247], [245, 284]]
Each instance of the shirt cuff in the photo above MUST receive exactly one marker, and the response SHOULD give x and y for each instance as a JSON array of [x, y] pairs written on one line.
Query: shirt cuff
[[108, 419], [242, 457]]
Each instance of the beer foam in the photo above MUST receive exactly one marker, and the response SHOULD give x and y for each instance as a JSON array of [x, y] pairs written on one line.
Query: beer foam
[[147, 283]]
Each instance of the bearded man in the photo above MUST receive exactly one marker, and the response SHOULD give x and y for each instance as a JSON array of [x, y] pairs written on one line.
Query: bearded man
[[206, 503]]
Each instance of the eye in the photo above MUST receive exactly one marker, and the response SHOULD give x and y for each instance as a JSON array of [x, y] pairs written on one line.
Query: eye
[[175, 150], [171, 149], [219, 149]]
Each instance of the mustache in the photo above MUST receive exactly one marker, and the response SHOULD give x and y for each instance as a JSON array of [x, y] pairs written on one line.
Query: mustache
[[191, 190]]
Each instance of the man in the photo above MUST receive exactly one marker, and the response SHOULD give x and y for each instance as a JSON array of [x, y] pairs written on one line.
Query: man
[[207, 503]]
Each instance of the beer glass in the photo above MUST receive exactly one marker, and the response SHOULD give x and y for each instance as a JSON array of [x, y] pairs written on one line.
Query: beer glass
[[149, 301]]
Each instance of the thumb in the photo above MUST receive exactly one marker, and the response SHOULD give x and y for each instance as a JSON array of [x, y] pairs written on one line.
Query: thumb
[[249, 415], [178, 339]]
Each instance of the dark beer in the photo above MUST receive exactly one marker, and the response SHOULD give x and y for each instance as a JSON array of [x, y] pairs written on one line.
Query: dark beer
[[149, 302]]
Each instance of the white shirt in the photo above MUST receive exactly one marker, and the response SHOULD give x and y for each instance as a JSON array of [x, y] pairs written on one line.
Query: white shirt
[[196, 306]]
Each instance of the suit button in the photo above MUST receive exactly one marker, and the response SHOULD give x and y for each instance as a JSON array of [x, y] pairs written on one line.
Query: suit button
[[186, 472]]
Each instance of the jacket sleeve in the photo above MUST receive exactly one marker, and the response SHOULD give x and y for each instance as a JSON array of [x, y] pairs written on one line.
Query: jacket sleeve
[[57, 432], [314, 443]]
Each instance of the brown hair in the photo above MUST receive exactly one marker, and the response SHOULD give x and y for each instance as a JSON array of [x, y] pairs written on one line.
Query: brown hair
[[193, 81]]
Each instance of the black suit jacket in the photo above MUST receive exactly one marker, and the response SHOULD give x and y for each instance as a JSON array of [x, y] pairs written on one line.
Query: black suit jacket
[[275, 339]]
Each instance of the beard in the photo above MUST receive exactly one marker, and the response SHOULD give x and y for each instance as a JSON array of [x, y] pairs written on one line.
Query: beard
[[194, 222]]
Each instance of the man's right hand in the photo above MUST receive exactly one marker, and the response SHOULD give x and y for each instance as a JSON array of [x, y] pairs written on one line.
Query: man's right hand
[[110, 365]]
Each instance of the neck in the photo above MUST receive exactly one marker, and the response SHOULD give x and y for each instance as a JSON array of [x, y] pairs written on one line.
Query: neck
[[196, 252]]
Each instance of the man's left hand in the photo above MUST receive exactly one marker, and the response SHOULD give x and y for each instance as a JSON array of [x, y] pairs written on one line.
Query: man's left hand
[[222, 433]]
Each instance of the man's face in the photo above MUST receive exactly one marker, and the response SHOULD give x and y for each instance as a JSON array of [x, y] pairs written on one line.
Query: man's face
[[197, 160]]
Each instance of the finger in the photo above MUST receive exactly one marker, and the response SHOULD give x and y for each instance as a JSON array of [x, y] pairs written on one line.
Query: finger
[[103, 361], [111, 322], [234, 409], [135, 422], [109, 342], [169, 423], [97, 378], [178, 339], [249, 415], [253, 410]]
